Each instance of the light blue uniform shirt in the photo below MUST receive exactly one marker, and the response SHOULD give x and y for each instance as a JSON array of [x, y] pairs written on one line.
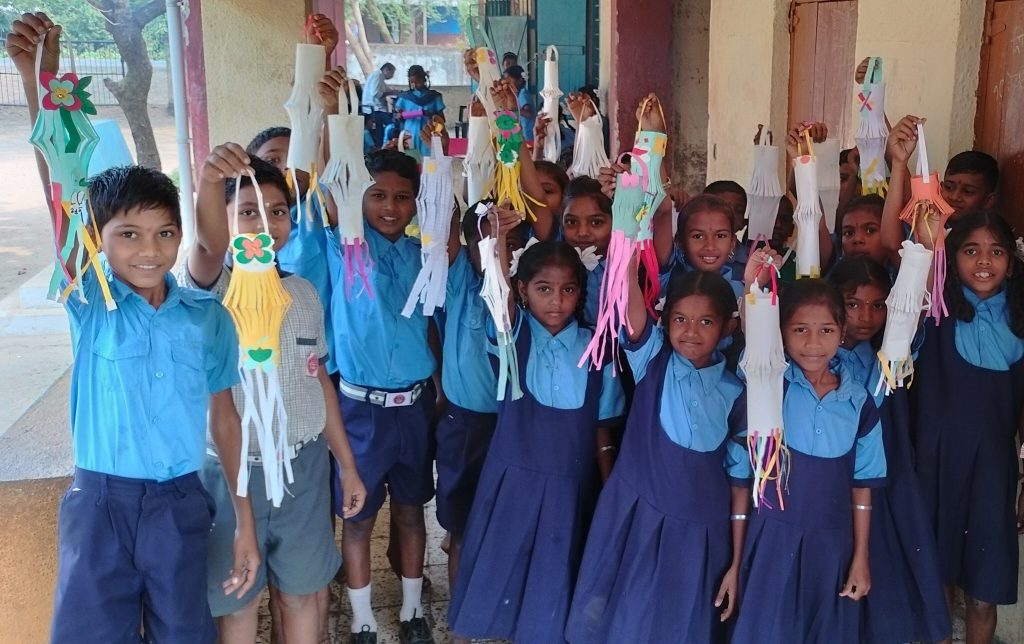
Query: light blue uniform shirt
[[468, 377], [987, 341], [695, 403], [142, 378], [665, 276], [862, 363], [551, 372], [592, 305], [375, 346], [523, 99], [829, 427], [305, 255]]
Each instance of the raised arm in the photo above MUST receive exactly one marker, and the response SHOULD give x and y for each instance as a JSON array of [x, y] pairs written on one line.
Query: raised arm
[[899, 146], [206, 257], [636, 309]]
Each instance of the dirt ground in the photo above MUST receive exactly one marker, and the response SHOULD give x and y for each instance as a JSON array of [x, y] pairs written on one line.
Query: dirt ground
[[25, 239]]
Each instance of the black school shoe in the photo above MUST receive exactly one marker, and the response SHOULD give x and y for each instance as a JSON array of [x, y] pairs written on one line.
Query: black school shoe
[[366, 636], [415, 631]]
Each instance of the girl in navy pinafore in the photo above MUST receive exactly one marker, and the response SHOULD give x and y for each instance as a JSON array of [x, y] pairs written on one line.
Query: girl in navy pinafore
[[906, 603], [661, 554], [967, 397], [805, 566], [526, 528]]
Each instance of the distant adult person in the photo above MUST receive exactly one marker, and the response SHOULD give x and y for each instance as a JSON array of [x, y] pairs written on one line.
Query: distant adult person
[[527, 114], [374, 104], [508, 59], [417, 105]]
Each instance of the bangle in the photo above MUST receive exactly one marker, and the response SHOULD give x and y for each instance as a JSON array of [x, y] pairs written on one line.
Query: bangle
[[864, 508], [737, 517], [605, 448]]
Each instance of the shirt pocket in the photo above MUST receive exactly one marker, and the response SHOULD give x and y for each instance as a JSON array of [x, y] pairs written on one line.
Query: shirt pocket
[[190, 374], [308, 354]]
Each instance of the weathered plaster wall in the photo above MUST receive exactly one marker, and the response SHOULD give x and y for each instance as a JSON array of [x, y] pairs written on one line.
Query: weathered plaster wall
[[688, 131], [249, 49]]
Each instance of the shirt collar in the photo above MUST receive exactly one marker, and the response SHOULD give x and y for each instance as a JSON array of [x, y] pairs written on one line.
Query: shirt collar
[[404, 246], [120, 290], [996, 302], [863, 354], [848, 385], [543, 338], [709, 377]]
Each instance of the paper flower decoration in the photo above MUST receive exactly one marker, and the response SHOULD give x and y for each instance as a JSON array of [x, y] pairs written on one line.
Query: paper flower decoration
[[589, 257], [255, 248], [513, 266]]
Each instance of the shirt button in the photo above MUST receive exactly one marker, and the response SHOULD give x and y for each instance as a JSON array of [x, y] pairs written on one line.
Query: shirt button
[[158, 465], [155, 420], [556, 387], [819, 408], [159, 374], [694, 403], [817, 431]]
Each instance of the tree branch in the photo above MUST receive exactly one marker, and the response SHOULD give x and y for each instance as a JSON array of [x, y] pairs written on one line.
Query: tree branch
[[149, 12]]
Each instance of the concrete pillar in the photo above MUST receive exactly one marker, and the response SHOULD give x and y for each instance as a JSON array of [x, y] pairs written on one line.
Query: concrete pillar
[[932, 54], [249, 52], [641, 62], [748, 81], [688, 129]]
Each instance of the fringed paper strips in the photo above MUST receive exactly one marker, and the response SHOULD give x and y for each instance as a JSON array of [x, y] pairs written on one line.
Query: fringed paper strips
[[588, 155], [487, 64], [907, 299], [306, 115], [872, 131], [764, 367], [551, 93], [827, 154], [66, 140], [927, 213], [347, 178], [638, 194], [258, 302], [434, 205], [807, 214], [480, 163], [496, 293], [507, 144], [765, 190]]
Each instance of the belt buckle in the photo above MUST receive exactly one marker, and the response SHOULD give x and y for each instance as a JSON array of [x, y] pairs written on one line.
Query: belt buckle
[[398, 399]]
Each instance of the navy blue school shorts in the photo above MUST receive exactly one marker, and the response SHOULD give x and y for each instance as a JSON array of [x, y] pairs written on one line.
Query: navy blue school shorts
[[132, 556], [463, 437], [298, 555], [394, 452]]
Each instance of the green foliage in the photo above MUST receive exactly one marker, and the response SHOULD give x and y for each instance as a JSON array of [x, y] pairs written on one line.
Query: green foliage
[[82, 21]]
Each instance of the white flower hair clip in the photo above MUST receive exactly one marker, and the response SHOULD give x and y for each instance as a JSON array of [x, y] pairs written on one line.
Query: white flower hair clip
[[516, 254], [589, 257], [1019, 251]]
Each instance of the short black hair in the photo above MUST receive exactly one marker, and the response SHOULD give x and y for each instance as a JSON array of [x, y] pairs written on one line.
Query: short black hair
[[266, 174], [471, 222], [128, 187], [394, 161], [386, 66], [844, 155], [874, 203], [702, 203], [554, 171], [417, 71], [552, 253], [591, 91], [267, 134], [725, 186], [584, 186], [516, 72], [974, 162], [509, 55], [711, 285], [804, 292], [856, 271]]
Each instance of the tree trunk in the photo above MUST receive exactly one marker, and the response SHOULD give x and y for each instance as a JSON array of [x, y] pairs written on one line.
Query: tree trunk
[[132, 92], [378, 19], [364, 57]]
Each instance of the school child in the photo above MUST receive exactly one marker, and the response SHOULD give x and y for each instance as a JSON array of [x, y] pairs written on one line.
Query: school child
[[849, 176], [133, 525], [468, 380], [662, 557], [587, 227], [386, 393], [860, 226], [305, 253], [704, 241], [969, 182], [527, 113], [806, 565], [782, 236], [906, 603], [417, 105], [966, 402], [734, 195], [296, 540], [526, 528], [554, 181]]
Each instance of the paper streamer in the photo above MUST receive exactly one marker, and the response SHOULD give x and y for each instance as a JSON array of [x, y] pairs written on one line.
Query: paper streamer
[[588, 155], [927, 213], [66, 140], [551, 93], [764, 367], [765, 190], [434, 205], [347, 179], [827, 154], [907, 299], [306, 116], [496, 295], [258, 303], [872, 131], [480, 163], [807, 215]]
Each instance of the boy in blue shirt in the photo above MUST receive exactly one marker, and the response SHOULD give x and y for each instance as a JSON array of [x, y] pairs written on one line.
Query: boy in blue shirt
[[134, 524]]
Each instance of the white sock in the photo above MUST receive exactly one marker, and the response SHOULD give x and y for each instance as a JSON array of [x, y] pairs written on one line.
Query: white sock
[[362, 611], [412, 594]]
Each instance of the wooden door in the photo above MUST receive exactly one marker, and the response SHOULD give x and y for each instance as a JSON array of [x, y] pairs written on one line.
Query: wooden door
[[821, 64], [335, 10], [997, 126], [563, 23]]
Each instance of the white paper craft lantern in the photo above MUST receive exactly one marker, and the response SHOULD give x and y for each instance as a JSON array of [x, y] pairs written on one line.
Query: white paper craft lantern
[[551, 93], [306, 115], [765, 190], [907, 299]]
